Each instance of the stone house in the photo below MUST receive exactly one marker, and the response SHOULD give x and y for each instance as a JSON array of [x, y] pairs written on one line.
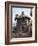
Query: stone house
[[23, 23]]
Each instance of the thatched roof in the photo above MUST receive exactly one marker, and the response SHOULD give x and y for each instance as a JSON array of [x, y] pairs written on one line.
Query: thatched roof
[[24, 16]]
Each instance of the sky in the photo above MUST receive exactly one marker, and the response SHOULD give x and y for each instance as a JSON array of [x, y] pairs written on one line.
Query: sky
[[16, 10]]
